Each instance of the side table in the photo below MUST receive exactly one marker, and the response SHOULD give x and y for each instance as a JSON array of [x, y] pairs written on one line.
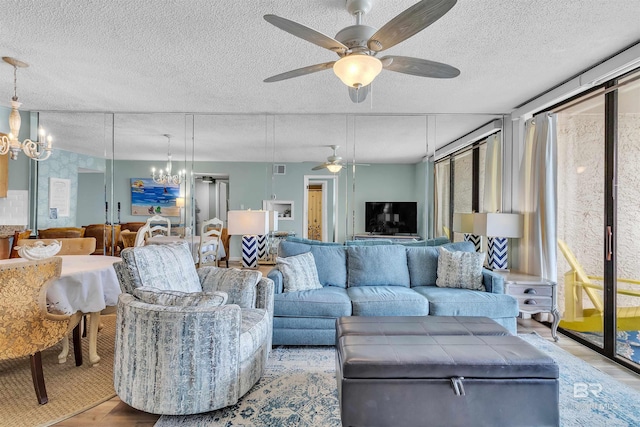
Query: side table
[[534, 294]]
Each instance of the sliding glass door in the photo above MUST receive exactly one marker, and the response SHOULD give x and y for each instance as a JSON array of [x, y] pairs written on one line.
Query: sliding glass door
[[598, 232]]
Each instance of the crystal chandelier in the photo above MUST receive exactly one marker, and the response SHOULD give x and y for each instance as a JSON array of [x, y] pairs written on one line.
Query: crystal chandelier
[[165, 177], [40, 150]]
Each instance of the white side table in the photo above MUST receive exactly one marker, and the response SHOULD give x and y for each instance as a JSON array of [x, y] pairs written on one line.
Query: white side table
[[534, 294]]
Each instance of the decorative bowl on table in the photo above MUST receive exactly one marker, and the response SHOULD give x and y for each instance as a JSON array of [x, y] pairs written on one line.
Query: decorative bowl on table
[[39, 250]]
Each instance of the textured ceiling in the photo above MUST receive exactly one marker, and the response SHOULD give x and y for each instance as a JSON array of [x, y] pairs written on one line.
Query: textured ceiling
[[211, 57]]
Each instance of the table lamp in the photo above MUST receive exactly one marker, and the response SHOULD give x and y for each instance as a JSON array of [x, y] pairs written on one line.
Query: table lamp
[[463, 223], [498, 227], [249, 224]]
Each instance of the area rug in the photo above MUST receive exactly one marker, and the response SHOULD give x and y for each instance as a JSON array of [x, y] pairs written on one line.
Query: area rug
[[299, 390], [71, 389]]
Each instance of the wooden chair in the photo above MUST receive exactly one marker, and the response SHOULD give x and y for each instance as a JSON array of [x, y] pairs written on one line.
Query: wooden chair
[[225, 244], [128, 238], [26, 327], [141, 235], [131, 226], [61, 232], [104, 237], [157, 226], [17, 236], [70, 246], [210, 241], [577, 283]]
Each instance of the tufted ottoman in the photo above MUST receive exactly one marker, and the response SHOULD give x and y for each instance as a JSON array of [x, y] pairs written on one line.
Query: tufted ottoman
[[463, 379]]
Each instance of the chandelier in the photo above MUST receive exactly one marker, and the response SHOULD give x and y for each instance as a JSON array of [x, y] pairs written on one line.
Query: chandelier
[[40, 150], [165, 177]]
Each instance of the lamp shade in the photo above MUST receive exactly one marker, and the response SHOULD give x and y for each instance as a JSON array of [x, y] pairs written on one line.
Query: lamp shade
[[248, 222], [180, 202], [463, 222], [273, 220], [497, 224], [357, 69]]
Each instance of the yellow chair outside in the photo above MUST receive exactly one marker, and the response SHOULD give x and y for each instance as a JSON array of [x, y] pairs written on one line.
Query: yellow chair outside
[[577, 283]]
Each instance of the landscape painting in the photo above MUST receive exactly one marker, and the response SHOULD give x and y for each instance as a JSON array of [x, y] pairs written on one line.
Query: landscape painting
[[149, 198]]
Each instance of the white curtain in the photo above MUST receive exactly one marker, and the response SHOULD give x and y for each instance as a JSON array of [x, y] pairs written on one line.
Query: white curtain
[[538, 197], [493, 175], [441, 198]]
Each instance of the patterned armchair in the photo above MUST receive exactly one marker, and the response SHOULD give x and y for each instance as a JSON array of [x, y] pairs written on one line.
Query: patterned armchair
[[188, 341], [26, 328]]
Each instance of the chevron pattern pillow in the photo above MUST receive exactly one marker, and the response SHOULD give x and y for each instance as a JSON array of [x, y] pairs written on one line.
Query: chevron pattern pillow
[[299, 272], [457, 269]]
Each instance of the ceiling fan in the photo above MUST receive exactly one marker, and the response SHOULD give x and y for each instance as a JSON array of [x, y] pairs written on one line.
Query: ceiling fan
[[357, 46], [334, 162]]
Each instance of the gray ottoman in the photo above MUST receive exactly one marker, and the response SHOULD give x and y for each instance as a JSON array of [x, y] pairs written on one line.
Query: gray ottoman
[[446, 380]]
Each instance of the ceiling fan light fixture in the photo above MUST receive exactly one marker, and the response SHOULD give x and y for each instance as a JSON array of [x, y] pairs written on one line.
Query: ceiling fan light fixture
[[334, 168], [357, 69]]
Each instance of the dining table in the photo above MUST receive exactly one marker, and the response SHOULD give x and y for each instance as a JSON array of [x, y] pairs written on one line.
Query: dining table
[[87, 284]]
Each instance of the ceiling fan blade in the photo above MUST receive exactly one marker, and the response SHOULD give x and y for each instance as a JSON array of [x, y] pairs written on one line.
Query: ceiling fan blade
[[300, 72], [421, 67], [306, 33], [358, 95], [411, 21], [322, 166]]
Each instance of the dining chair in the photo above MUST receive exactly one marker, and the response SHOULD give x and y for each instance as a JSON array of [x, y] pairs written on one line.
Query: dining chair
[[69, 246], [157, 226], [26, 327], [577, 285], [59, 232], [225, 244], [17, 236], [128, 238], [210, 241], [141, 235]]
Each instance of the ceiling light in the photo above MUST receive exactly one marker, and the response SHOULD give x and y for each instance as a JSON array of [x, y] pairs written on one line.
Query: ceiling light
[[166, 177], [334, 168], [357, 69], [40, 150]]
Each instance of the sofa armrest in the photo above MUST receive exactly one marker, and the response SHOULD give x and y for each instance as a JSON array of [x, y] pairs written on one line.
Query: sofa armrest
[[277, 278], [493, 282], [264, 295]]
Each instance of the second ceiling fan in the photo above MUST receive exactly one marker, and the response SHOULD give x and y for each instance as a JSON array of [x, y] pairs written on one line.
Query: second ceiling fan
[[358, 45]]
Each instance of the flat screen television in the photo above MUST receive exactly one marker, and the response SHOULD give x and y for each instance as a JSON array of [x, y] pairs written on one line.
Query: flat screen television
[[391, 217]]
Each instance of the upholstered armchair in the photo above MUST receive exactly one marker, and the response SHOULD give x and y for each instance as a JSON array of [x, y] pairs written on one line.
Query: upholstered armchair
[[26, 327], [188, 341]]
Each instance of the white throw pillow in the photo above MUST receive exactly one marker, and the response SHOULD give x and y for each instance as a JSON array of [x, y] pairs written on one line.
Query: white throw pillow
[[299, 272], [459, 269]]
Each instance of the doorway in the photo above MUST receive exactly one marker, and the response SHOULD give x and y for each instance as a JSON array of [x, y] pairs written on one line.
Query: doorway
[[211, 196], [320, 208]]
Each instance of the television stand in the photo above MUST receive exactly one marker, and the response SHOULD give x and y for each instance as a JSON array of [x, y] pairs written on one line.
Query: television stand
[[392, 237]]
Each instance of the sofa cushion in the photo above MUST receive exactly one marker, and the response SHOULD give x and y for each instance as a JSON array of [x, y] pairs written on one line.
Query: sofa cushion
[[387, 301], [287, 248], [162, 266], [299, 272], [423, 265], [465, 302], [311, 242], [330, 301], [459, 269], [331, 263], [377, 266], [240, 285], [177, 298]]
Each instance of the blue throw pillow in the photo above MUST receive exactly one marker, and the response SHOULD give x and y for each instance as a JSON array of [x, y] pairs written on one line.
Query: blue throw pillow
[[331, 262], [377, 266]]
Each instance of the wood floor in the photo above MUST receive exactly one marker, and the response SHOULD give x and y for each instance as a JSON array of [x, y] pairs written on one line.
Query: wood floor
[[115, 413]]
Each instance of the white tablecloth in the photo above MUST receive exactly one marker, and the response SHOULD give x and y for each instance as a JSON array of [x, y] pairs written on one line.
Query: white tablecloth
[[194, 244], [87, 283]]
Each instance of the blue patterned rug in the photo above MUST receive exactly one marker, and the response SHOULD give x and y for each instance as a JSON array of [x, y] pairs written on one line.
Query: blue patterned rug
[[298, 389]]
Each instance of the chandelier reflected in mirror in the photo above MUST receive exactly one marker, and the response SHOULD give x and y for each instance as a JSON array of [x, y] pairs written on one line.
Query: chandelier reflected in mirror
[[165, 176], [37, 150]]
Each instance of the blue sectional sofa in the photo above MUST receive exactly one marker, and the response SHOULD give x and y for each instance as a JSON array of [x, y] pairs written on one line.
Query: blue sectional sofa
[[377, 280]]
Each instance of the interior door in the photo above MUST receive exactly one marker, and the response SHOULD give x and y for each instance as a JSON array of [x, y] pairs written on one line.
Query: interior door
[[314, 224]]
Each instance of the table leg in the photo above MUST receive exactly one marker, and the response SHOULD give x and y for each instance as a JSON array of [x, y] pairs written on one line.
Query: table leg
[[94, 322], [554, 325]]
